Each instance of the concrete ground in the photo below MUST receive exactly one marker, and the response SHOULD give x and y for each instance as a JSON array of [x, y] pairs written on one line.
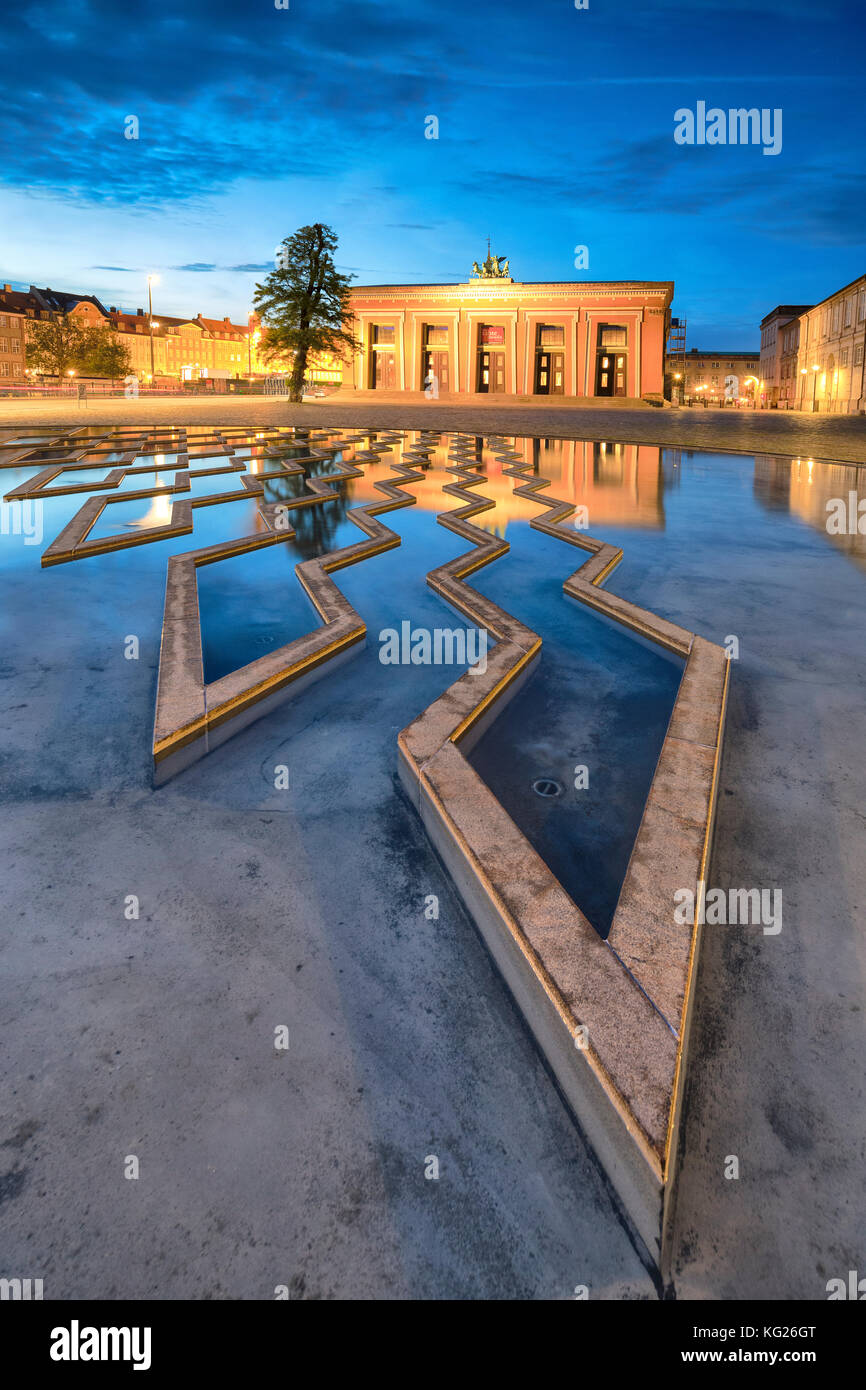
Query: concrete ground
[[153, 1037], [841, 437]]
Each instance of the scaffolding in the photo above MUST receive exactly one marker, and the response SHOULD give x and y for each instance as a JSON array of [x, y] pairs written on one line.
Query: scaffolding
[[676, 353]]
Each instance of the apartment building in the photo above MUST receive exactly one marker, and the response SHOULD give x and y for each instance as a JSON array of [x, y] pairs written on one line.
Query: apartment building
[[12, 320], [773, 330], [715, 374]]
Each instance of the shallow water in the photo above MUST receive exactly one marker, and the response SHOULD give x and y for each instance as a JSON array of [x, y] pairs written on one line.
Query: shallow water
[[709, 541]]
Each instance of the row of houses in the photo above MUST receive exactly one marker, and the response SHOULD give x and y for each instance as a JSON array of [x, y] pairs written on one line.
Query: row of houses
[[161, 347], [490, 334], [494, 335], [812, 355]]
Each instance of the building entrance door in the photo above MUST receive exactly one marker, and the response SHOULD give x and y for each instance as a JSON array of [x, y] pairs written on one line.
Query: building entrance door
[[384, 373], [437, 361], [491, 371], [610, 376], [550, 374]]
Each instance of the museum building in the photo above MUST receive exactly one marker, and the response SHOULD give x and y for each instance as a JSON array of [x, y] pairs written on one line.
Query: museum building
[[494, 335]]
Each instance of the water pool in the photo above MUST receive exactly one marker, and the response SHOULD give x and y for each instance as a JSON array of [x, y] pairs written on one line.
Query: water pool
[[726, 545]]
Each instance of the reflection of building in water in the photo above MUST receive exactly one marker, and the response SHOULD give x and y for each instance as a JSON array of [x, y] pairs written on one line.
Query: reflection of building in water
[[619, 484], [803, 487]]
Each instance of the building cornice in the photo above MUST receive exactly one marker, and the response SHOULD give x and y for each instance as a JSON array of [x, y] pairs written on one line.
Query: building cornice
[[474, 290]]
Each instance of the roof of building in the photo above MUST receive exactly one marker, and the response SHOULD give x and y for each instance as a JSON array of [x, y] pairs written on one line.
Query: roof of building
[[126, 321], [61, 301], [791, 310], [516, 285], [718, 352], [17, 301], [221, 325]]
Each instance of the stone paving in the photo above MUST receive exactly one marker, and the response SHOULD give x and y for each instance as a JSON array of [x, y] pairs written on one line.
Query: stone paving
[[841, 437]]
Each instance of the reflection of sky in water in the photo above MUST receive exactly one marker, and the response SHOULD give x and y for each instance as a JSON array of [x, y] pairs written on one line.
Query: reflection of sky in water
[[704, 536]]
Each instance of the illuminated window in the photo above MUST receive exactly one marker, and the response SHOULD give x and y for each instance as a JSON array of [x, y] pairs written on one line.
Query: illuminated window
[[552, 335]]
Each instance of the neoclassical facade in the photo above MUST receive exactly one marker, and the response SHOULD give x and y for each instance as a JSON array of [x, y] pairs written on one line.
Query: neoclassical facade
[[493, 335]]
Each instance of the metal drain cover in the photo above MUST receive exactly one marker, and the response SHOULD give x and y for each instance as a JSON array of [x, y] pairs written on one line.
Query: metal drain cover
[[547, 786]]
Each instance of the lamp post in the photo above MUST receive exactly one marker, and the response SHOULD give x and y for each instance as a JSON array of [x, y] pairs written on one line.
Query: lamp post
[[151, 280], [815, 370]]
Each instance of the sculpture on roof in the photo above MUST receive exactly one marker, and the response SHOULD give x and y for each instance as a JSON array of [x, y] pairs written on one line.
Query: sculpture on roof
[[493, 268]]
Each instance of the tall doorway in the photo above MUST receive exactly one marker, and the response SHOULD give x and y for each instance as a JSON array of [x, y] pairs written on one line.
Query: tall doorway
[[436, 357], [490, 376], [611, 372], [550, 360], [383, 369]]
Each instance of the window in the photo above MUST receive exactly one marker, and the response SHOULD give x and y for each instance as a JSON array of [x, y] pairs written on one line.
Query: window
[[4, 345], [436, 335], [847, 316], [612, 336], [836, 318], [844, 357], [2, 320], [858, 355], [861, 308], [383, 333], [553, 335], [5, 369]]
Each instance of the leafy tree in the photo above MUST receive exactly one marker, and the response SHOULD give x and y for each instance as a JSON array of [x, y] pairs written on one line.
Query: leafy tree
[[53, 345], [57, 345], [105, 355], [304, 303]]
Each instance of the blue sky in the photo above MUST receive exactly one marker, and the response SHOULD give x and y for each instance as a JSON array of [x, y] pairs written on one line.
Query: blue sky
[[555, 130]]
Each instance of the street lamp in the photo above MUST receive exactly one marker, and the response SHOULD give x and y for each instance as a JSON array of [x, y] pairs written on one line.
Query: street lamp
[[151, 280], [815, 370]]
